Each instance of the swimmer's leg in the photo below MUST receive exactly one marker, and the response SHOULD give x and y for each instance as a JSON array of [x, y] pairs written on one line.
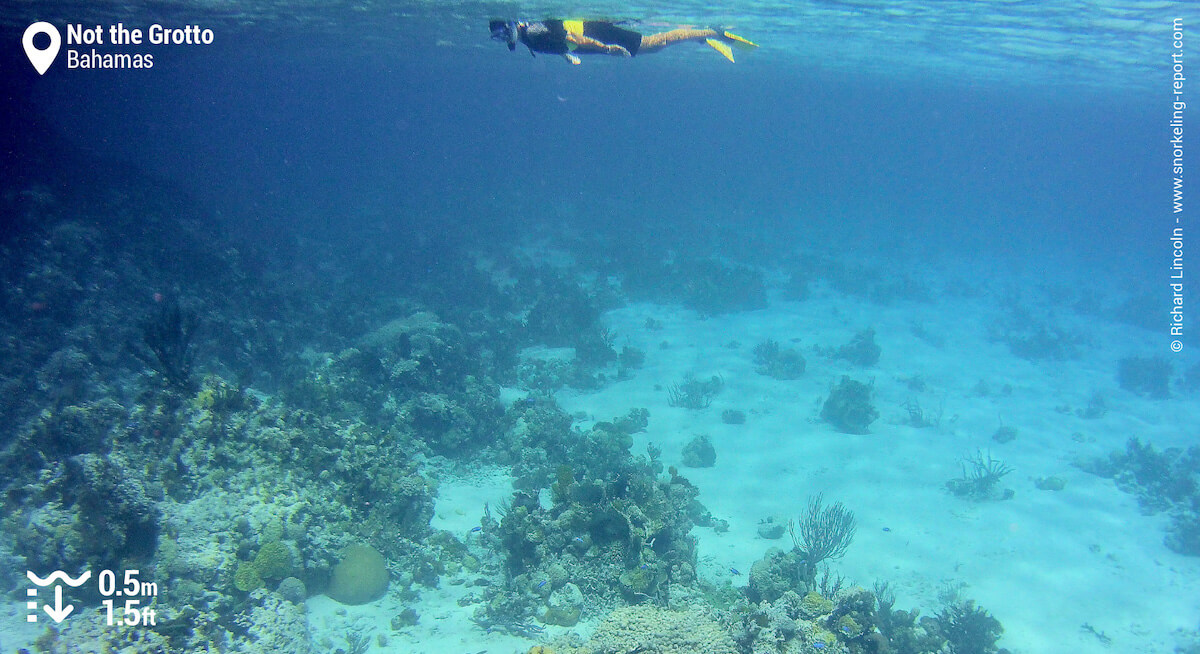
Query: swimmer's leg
[[656, 42], [718, 40]]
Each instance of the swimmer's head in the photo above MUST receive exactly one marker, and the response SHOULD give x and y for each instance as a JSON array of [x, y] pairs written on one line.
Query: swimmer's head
[[505, 30]]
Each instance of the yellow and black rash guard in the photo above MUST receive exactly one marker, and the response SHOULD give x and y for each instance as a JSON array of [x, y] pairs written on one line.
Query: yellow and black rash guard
[[550, 36]]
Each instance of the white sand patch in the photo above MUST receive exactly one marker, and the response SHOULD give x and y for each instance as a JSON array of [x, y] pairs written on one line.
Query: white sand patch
[[463, 495]]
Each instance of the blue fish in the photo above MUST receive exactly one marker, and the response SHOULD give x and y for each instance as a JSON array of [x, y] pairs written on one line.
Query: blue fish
[[475, 529], [735, 571]]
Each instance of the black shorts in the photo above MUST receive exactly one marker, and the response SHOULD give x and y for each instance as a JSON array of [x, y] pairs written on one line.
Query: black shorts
[[553, 40], [610, 34]]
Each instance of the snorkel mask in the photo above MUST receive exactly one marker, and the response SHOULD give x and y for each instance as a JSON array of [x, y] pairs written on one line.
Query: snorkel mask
[[504, 30]]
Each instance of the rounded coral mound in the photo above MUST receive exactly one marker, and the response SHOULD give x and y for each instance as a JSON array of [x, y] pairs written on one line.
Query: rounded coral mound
[[360, 577], [651, 629]]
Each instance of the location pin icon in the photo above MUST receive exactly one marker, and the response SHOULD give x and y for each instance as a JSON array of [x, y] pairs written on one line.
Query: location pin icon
[[41, 59]]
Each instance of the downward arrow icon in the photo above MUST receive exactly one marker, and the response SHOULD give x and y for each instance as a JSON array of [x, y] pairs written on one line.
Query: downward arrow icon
[[58, 612]]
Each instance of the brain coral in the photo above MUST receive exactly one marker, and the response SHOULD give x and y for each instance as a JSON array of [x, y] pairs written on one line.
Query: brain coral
[[361, 577], [651, 629]]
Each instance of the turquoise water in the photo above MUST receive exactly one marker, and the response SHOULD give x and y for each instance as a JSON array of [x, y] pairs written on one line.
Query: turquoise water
[[353, 273], [1114, 45]]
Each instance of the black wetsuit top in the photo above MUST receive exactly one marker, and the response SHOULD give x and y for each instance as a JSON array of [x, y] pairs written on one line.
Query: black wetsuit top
[[550, 36]]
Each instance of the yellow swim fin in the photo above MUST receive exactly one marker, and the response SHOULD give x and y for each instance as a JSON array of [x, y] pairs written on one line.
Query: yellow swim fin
[[720, 47], [739, 41]]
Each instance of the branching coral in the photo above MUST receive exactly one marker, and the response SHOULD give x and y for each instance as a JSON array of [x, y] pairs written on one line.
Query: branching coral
[[694, 393], [981, 474], [825, 532], [773, 360], [969, 629], [167, 345]]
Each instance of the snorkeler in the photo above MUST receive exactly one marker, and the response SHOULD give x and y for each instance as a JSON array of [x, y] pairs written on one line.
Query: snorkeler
[[571, 37]]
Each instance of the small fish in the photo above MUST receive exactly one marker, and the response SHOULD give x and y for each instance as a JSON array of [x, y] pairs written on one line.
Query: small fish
[[818, 645], [543, 583], [645, 566], [476, 529], [887, 528], [735, 572], [577, 539]]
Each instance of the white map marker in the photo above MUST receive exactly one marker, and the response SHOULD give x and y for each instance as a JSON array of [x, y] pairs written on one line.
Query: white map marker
[[41, 59]]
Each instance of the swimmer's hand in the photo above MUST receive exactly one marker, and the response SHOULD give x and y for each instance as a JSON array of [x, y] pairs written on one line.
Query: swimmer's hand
[[617, 51]]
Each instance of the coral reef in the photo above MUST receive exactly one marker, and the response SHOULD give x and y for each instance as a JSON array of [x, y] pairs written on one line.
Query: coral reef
[[416, 374], [858, 621], [1049, 483], [72, 429], [98, 513], [625, 538], [861, 350], [825, 533], [714, 287], [707, 284], [778, 572], [1004, 434], [630, 358], [969, 629], [733, 417], [1096, 408], [273, 562], [694, 393], [274, 625], [699, 453], [1161, 480], [771, 529], [778, 362], [1035, 338], [810, 625], [650, 628], [168, 347], [981, 475], [616, 532], [1148, 376], [88, 631], [848, 407], [905, 631], [292, 440], [360, 577], [919, 418]]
